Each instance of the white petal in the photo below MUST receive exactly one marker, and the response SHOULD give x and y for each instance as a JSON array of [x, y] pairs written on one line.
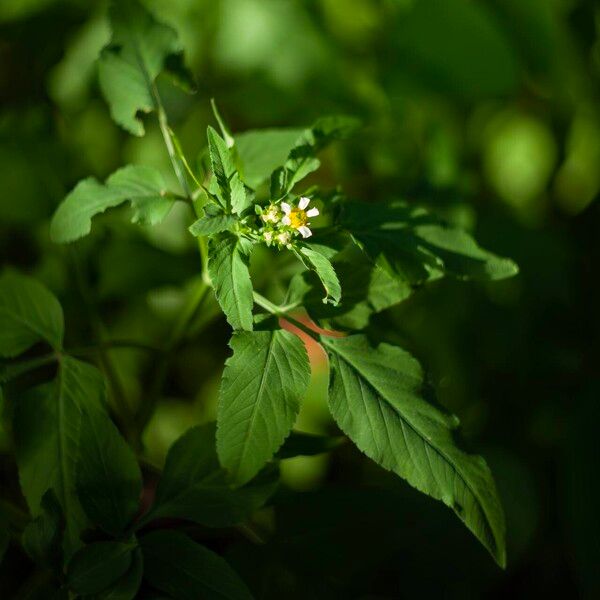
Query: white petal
[[313, 212], [305, 232], [286, 220], [304, 202], [287, 209]]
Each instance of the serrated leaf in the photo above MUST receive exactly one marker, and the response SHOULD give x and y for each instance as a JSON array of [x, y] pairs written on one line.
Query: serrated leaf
[[324, 269], [140, 48], [29, 313], [42, 537], [212, 221], [47, 430], [376, 397], [176, 565], [109, 482], [232, 191], [193, 485], [261, 390], [144, 187], [308, 444], [368, 288], [417, 246], [228, 259], [97, 566]]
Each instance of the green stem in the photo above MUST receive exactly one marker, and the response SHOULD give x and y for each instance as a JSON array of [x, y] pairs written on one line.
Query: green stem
[[281, 311]]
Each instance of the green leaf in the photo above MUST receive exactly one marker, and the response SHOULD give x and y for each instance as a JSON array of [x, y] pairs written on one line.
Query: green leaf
[[261, 390], [229, 139], [376, 397], [193, 485], [144, 187], [323, 268], [97, 566], [368, 288], [127, 587], [47, 430], [301, 160], [176, 565], [228, 259], [42, 537], [416, 246], [212, 221], [109, 482], [308, 444], [222, 162], [261, 151], [29, 313], [139, 50]]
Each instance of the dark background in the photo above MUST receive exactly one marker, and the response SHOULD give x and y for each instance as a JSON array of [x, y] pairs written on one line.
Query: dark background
[[486, 111]]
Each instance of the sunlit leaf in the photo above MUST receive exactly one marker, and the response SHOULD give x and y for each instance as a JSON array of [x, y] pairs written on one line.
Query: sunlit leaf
[[376, 397], [326, 273], [212, 221], [263, 383], [144, 187], [228, 259]]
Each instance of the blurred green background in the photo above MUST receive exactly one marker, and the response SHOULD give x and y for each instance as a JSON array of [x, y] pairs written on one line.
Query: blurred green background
[[486, 111]]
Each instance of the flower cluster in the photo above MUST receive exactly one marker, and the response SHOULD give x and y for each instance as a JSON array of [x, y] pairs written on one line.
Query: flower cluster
[[282, 222]]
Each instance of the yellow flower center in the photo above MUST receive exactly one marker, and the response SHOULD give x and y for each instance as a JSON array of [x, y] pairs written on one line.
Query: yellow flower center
[[298, 218]]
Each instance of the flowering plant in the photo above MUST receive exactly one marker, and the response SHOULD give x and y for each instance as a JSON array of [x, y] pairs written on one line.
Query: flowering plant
[[355, 259]]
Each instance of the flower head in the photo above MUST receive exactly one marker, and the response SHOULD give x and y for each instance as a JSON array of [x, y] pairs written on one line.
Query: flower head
[[284, 238], [297, 217], [272, 214]]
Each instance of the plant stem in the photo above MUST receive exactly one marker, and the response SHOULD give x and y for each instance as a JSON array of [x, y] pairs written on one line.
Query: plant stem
[[281, 311]]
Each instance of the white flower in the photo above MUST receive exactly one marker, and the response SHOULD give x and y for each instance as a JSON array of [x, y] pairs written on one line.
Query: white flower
[[297, 217], [284, 238], [271, 215], [268, 236]]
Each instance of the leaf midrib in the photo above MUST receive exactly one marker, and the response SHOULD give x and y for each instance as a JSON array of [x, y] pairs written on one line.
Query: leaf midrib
[[259, 395], [424, 438]]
